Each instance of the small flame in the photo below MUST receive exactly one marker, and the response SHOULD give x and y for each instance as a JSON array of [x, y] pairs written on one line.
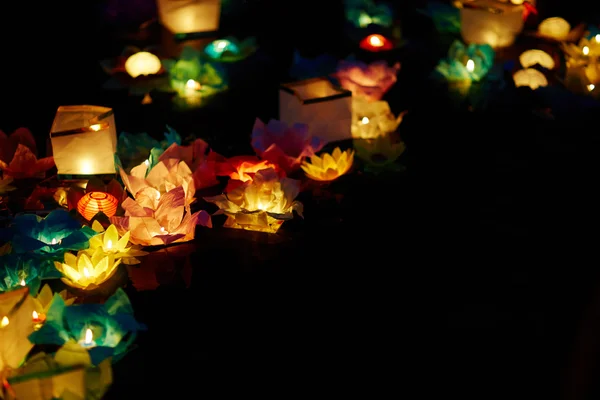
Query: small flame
[[221, 44], [591, 87], [86, 272], [4, 322], [147, 162], [23, 282], [470, 65], [597, 38], [89, 336], [157, 195], [96, 127], [375, 41], [109, 244], [162, 229], [585, 50], [53, 242], [193, 85], [364, 120], [35, 315]]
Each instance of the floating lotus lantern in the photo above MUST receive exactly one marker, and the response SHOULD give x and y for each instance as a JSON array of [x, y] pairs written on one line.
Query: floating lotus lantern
[[148, 186], [230, 49], [364, 13], [170, 221], [25, 164], [530, 58], [373, 119], [111, 243], [329, 167], [142, 63], [241, 169], [16, 308], [84, 140], [42, 303], [17, 271], [381, 153], [587, 49], [491, 22], [531, 78], [376, 43], [282, 144], [262, 204], [370, 81], [9, 143], [189, 16], [86, 272], [466, 63], [555, 28], [326, 108], [104, 330]]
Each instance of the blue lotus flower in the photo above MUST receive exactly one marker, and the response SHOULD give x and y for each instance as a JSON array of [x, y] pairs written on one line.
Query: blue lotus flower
[[445, 17], [18, 270], [362, 13], [466, 63], [106, 330]]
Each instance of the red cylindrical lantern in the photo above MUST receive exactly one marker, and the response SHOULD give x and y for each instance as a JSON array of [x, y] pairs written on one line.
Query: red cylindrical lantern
[[94, 202], [376, 43]]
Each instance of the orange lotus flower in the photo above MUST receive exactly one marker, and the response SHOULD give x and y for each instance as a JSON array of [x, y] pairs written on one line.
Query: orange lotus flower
[[25, 164], [241, 169]]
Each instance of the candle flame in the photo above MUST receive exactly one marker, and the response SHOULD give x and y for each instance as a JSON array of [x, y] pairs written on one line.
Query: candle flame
[[157, 195], [585, 50], [96, 127], [375, 41], [591, 87], [364, 120], [53, 241], [4, 322], [470, 65], [35, 315], [86, 272], [22, 282], [89, 336], [597, 38], [192, 84], [109, 244], [221, 44], [147, 162]]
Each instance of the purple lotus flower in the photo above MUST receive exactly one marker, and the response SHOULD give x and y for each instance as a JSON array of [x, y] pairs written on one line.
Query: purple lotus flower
[[370, 81]]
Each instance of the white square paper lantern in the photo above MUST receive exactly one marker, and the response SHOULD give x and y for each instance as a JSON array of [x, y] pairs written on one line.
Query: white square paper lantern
[[84, 140], [324, 107], [491, 22], [189, 16]]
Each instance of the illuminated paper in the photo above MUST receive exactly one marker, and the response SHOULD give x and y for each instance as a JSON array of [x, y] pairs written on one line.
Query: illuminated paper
[[380, 154], [530, 58], [201, 160], [86, 272], [189, 16], [373, 119], [16, 308], [325, 108], [241, 169], [491, 22], [110, 242], [84, 140], [529, 77], [5, 184], [370, 81], [9, 143], [25, 164], [329, 167]]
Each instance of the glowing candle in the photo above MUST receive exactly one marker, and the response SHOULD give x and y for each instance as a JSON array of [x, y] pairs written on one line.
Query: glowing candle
[[192, 86], [376, 43], [4, 322], [364, 120], [470, 65], [585, 50], [591, 87], [109, 245], [23, 282], [88, 339], [38, 319]]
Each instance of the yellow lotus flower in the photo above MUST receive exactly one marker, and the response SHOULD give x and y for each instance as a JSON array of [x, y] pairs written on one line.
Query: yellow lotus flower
[[5, 186], [110, 243], [329, 166], [84, 272], [43, 300]]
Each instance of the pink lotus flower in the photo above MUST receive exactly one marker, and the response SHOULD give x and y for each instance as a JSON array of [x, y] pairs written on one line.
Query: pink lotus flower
[[171, 221], [282, 145], [9, 143], [370, 81], [25, 164], [195, 156]]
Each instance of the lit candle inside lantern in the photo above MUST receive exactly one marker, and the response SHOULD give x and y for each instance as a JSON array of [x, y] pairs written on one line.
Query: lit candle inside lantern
[[585, 50], [4, 322], [364, 120], [38, 319], [597, 38], [192, 87], [88, 339], [142, 63], [470, 65], [86, 167], [109, 245], [23, 282], [376, 43], [147, 162], [591, 87], [54, 241]]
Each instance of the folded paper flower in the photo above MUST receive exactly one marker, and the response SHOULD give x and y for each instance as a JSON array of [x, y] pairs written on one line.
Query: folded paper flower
[[17, 271], [9, 143], [25, 164], [49, 237], [230, 49], [86, 272], [44, 298], [169, 222], [5, 184], [111, 243], [373, 119], [381, 153], [134, 62], [241, 169], [305, 68], [105, 330], [67, 374], [262, 204], [362, 13], [446, 18], [370, 81], [329, 167], [466, 63], [147, 186], [284, 145], [584, 50], [16, 308]]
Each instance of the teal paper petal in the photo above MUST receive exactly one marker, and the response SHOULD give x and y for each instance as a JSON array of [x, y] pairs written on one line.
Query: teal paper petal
[[16, 269], [445, 17], [453, 68]]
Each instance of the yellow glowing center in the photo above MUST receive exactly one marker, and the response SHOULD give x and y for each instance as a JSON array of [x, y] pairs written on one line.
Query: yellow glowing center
[[4, 322], [470, 65], [89, 336], [585, 50], [86, 167], [162, 229], [147, 162], [157, 195], [86, 272], [597, 38], [364, 120], [221, 45], [35, 315], [376, 41], [109, 244], [96, 127], [142, 63], [54, 241], [23, 282], [591, 87], [193, 85]]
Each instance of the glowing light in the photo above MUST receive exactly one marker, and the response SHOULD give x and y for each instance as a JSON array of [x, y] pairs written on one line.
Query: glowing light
[[193, 85], [86, 167], [4, 322], [376, 41], [147, 162], [142, 63], [163, 230], [597, 38], [35, 315], [86, 273], [96, 127], [22, 282], [585, 50], [221, 44], [364, 120], [54, 241], [591, 87], [89, 336], [470, 65], [109, 244]]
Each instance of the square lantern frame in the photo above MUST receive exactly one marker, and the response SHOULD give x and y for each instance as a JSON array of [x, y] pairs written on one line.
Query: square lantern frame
[[190, 18]]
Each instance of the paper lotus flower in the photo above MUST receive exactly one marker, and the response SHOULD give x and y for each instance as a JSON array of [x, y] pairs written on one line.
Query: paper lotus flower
[[134, 148], [284, 145], [329, 167], [49, 237], [9, 143], [16, 308], [190, 66], [262, 204], [169, 222], [17, 270], [467, 63], [110, 242], [147, 187], [370, 81], [25, 164], [112, 324], [230, 49], [86, 272], [305, 68], [584, 50], [366, 12], [445, 17], [5, 186], [241, 169], [373, 119], [44, 298], [67, 374], [380, 153]]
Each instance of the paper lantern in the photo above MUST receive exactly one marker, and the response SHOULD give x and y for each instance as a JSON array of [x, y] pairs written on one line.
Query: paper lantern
[[376, 43], [142, 63], [86, 272], [554, 28], [530, 58], [95, 202], [325, 108], [531, 78], [189, 16], [329, 167], [491, 22], [84, 140]]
